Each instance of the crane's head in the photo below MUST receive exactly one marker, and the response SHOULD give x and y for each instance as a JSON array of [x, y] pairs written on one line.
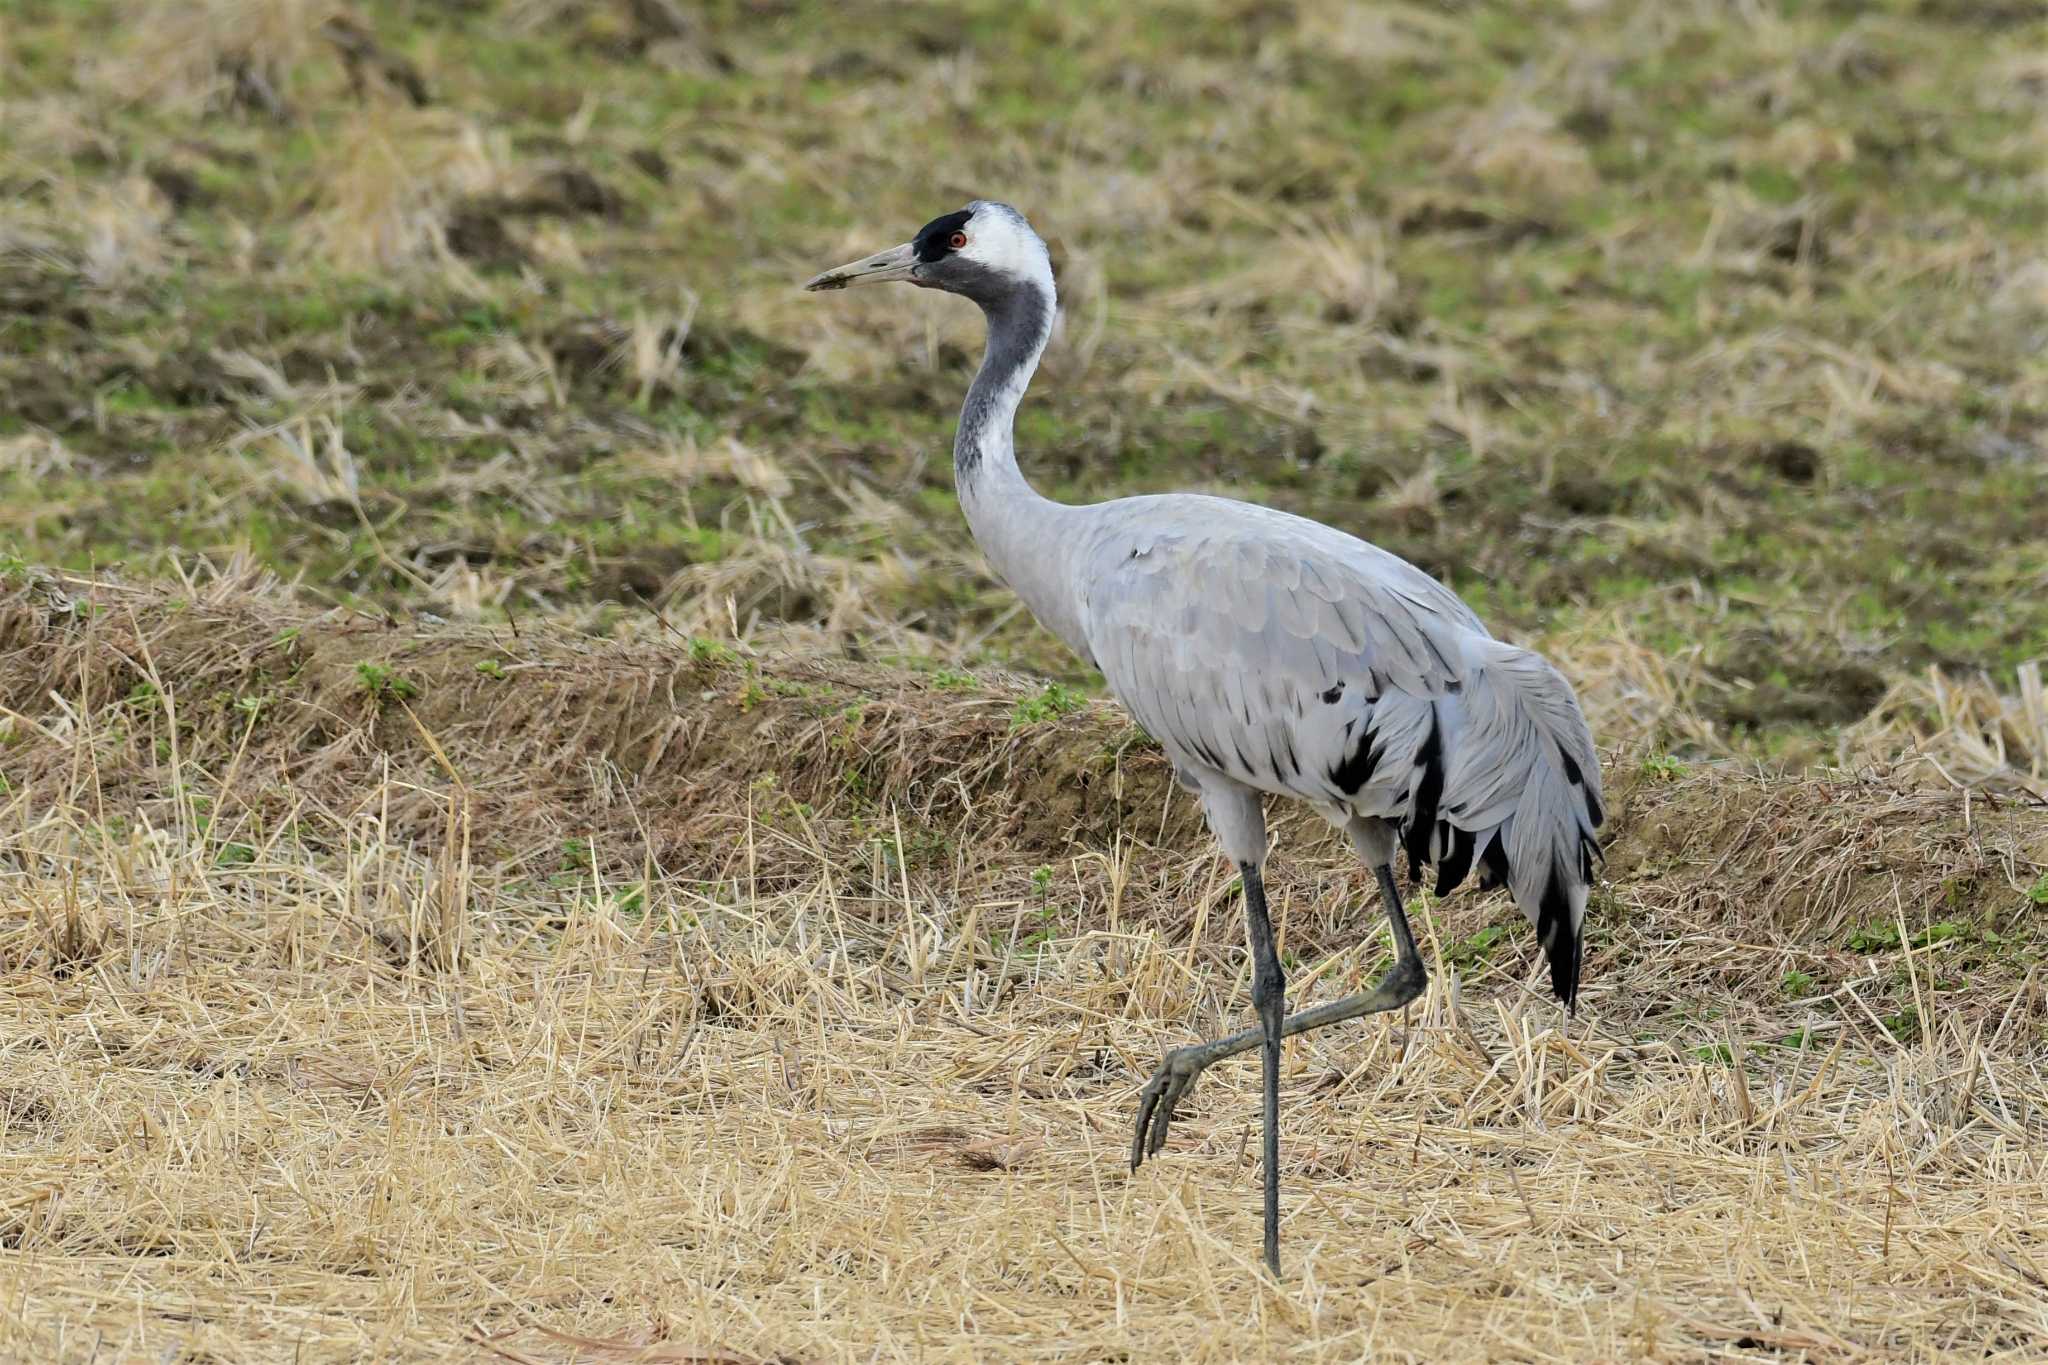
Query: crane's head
[[983, 251]]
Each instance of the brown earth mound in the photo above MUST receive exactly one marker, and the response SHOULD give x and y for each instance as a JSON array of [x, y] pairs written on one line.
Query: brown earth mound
[[671, 755]]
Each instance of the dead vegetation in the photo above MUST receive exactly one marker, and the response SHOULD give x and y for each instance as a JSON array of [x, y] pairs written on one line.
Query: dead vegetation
[[519, 995]]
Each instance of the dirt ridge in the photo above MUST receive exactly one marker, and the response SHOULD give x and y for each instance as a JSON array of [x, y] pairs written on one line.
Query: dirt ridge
[[671, 750]]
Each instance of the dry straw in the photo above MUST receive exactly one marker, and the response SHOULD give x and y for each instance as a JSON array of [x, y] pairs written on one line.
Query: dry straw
[[609, 1004]]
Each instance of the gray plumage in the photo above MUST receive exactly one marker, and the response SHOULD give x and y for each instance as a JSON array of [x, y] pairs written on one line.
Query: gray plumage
[[1271, 652], [1272, 655]]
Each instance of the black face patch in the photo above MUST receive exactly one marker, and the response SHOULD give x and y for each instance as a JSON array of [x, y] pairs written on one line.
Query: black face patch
[[933, 239]]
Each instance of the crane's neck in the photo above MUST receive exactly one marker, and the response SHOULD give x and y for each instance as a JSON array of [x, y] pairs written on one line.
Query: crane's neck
[[1016, 528], [984, 449]]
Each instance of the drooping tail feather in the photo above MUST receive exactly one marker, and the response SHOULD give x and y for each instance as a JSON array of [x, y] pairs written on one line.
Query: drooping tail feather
[[1507, 777]]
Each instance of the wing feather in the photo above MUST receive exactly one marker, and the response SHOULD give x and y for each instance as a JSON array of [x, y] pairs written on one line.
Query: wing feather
[[1289, 657]]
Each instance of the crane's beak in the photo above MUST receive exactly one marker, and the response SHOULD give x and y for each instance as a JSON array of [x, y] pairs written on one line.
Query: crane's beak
[[894, 264]]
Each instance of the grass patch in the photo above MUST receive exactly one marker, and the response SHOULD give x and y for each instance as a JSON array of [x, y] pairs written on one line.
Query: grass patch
[[1054, 701]]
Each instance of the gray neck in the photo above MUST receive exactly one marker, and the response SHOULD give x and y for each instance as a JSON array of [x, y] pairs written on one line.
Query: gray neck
[[1019, 324], [1014, 526]]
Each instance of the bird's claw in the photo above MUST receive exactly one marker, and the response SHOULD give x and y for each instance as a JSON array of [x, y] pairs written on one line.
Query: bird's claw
[[1174, 1078]]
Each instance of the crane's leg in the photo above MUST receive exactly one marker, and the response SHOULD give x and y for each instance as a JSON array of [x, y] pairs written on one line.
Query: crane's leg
[[1269, 998], [1177, 1072], [1237, 818]]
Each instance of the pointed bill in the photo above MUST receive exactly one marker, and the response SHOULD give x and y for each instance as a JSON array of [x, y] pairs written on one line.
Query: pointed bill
[[894, 264]]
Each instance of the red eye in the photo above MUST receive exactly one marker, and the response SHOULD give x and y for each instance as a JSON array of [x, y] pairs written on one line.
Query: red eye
[[957, 240]]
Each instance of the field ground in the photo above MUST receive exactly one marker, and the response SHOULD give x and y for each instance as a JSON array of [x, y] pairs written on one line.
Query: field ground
[[527, 832], [397, 991]]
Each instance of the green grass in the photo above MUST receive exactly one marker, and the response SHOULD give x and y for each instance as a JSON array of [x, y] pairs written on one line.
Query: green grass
[[1696, 328], [1055, 701], [382, 681]]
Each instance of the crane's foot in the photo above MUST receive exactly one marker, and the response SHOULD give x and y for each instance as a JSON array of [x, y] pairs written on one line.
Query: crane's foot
[[1179, 1068], [1174, 1078]]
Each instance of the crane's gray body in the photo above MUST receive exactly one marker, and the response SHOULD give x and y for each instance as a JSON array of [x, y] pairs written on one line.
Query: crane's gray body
[[1268, 652]]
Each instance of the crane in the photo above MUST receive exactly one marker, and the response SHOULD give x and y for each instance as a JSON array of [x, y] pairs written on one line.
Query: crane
[[1271, 655]]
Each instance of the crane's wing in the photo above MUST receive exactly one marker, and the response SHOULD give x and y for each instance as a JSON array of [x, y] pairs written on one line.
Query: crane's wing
[[1286, 656]]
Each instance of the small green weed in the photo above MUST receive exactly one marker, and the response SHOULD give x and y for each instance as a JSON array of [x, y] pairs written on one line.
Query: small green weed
[[1056, 700], [1038, 938], [382, 681], [1879, 936], [1905, 1025], [1664, 767], [1471, 952], [491, 668], [1797, 985], [708, 652], [848, 733], [1874, 938]]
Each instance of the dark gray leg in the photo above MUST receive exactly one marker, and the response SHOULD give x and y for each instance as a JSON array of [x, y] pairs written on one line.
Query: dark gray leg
[[1269, 998], [1177, 1073]]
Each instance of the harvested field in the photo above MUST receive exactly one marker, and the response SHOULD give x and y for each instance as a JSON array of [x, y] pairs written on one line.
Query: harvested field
[[529, 833], [612, 1004]]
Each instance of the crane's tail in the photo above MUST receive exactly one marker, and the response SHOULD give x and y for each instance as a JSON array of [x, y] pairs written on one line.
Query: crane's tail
[[1507, 779]]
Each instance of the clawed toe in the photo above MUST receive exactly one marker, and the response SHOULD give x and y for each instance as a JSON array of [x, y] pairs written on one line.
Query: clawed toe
[[1156, 1103]]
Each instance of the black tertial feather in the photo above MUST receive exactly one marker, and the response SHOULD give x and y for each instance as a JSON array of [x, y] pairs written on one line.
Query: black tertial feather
[[1429, 791], [1577, 777], [1456, 862], [1493, 864], [1356, 768], [1560, 941]]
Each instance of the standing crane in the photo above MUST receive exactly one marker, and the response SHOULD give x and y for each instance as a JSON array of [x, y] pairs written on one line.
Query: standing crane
[[1270, 654]]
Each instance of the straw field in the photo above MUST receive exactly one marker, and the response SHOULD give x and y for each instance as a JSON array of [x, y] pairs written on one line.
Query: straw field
[[608, 1003], [527, 832]]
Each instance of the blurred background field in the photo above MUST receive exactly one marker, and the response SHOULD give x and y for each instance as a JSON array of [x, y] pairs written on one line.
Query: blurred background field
[[453, 585], [1713, 329]]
